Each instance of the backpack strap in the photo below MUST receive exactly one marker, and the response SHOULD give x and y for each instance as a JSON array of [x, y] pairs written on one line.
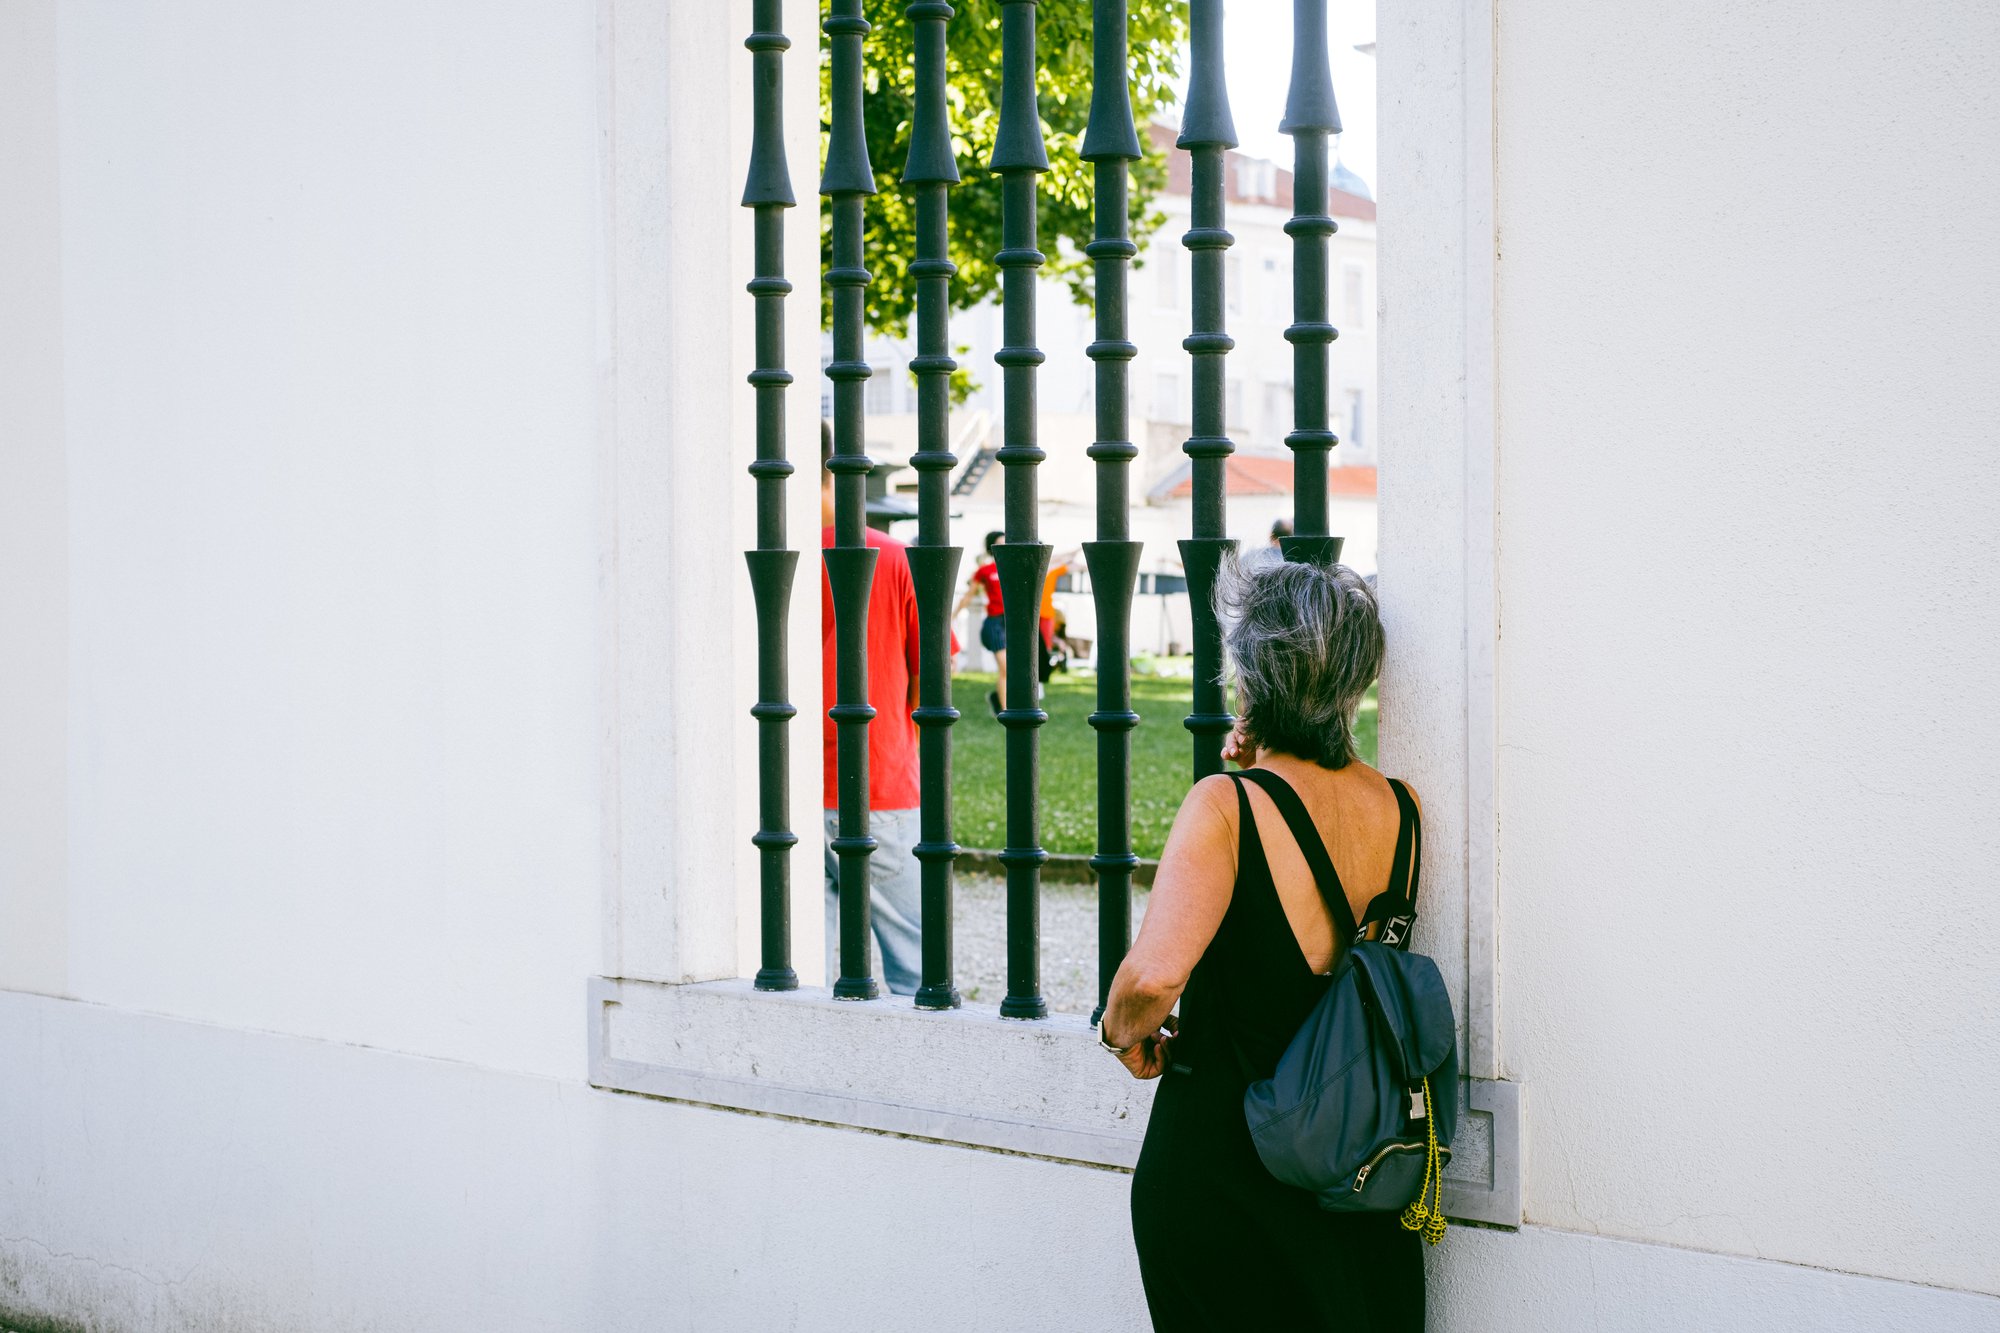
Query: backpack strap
[[1396, 906], [1307, 836]]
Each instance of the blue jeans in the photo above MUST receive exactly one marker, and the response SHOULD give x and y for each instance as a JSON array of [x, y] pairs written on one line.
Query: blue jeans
[[895, 898]]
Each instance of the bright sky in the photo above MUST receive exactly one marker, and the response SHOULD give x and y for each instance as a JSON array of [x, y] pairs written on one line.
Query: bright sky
[[1257, 47]]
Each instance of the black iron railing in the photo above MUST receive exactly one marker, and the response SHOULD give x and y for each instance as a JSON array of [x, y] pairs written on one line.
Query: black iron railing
[[1208, 133], [1311, 118], [1111, 144], [769, 193], [1018, 157], [850, 562], [933, 560]]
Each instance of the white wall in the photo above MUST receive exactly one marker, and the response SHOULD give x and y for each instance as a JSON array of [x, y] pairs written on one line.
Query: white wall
[[250, 1182], [678, 646], [1747, 742], [34, 581], [316, 1186], [329, 356]]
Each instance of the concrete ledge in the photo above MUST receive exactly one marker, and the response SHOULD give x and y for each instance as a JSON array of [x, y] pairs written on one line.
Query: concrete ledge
[[1040, 1088], [966, 1076]]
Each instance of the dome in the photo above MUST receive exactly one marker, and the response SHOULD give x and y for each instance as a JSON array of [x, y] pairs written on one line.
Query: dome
[[1344, 179]]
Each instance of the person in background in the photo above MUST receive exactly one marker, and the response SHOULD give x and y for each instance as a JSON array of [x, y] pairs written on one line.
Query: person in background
[[1047, 621], [894, 793], [1272, 553], [985, 581]]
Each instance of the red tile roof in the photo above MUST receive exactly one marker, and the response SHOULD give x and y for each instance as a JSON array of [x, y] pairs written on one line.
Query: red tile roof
[[1266, 474], [1357, 482], [1180, 180]]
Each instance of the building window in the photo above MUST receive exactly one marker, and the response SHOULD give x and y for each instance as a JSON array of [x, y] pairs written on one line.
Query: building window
[[1277, 288], [881, 397], [1232, 282], [1167, 402], [1233, 404], [1357, 407], [1277, 409], [1256, 178], [1354, 286]]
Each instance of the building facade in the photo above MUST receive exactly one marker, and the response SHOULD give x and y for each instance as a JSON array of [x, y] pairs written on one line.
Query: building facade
[[1258, 283]]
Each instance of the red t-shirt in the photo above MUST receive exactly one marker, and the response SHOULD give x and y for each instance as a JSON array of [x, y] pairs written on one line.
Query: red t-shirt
[[892, 665], [987, 576]]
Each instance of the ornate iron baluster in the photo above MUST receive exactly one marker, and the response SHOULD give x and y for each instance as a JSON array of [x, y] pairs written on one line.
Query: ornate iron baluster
[[1023, 560], [769, 192], [1208, 133], [933, 560], [1110, 144], [1310, 118], [850, 562]]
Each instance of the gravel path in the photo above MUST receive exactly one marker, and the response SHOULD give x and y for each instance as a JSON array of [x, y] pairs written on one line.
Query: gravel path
[[1069, 941]]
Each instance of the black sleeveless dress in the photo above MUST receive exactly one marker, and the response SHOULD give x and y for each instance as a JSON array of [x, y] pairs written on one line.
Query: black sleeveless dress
[[1222, 1243]]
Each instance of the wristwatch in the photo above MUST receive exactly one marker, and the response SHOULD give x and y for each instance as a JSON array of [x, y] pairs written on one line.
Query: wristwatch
[[1105, 1041]]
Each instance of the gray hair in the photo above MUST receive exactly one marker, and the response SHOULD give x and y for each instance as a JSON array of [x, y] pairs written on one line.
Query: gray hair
[[1305, 643]]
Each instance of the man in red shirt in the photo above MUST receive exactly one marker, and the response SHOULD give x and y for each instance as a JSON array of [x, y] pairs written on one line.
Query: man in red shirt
[[894, 881]]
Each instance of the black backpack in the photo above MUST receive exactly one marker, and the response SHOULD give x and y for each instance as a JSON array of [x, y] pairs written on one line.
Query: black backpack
[[1363, 1105]]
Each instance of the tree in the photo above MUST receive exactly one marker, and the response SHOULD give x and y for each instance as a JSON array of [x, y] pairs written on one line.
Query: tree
[[1158, 35]]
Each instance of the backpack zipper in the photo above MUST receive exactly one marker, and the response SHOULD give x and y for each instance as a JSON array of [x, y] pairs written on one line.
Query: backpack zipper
[[1368, 1167]]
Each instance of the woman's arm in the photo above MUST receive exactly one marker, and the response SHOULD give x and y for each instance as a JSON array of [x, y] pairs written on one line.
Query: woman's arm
[[1190, 895], [965, 598]]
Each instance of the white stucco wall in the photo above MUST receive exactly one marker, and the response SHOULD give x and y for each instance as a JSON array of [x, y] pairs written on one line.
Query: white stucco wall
[[1747, 741], [34, 581], [330, 361], [316, 1186], [246, 1182]]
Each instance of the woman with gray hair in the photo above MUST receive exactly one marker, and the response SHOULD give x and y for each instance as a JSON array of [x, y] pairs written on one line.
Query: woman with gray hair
[[1238, 934]]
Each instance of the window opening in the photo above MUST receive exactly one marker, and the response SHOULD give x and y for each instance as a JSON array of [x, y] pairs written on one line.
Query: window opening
[[1216, 300]]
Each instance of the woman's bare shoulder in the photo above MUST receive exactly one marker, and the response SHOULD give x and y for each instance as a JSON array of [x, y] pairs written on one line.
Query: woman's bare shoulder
[[1201, 845], [1384, 779], [1214, 795]]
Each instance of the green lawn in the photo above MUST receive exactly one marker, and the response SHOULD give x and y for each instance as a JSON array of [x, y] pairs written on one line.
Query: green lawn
[[1162, 753]]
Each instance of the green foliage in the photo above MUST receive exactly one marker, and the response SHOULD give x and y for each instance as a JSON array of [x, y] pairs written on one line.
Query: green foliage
[[1162, 762], [1158, 34]]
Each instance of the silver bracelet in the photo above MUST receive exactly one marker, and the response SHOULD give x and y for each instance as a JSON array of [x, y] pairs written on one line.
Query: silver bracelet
[[1104, 1040]]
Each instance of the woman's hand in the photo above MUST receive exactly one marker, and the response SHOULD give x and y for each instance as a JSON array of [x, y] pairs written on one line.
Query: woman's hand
[[1150, 1056], [1237, 747]]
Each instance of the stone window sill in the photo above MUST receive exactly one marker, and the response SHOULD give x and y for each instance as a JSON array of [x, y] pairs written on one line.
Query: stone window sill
[[1041, 1089]]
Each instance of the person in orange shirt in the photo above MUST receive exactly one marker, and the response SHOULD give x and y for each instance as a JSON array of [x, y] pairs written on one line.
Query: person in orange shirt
[[1049, 627]]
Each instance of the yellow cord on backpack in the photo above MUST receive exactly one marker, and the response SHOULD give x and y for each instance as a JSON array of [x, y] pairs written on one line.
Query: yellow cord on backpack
[[1429, 1221]]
